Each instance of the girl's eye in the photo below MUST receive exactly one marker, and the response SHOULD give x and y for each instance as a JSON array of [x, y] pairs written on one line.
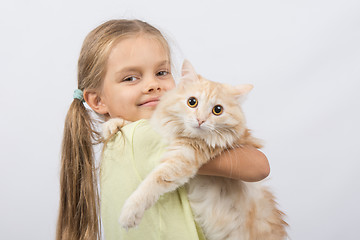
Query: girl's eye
[[129, 79], [162, 73], [217, 110], [192, 102]]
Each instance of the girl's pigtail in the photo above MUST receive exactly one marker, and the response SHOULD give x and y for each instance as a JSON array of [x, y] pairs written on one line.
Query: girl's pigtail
[[79, 216]]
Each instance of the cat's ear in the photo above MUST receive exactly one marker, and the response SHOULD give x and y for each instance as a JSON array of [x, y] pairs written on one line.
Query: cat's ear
[[188, 74], [241, 91], [188, 71]]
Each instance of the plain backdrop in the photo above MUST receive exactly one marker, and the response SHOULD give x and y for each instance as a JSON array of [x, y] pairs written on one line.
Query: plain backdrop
[[303, 57]]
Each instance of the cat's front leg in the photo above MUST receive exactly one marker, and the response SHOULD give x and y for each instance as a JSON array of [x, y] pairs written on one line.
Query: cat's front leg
[[112, 126], [132, 211], [177, 167]]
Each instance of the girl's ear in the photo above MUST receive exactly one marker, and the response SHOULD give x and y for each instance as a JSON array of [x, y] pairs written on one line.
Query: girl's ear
[[188, 74], [241, 91], [93, 99]]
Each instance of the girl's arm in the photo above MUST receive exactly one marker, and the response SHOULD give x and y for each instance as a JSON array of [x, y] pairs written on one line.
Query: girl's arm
[[245, 163]]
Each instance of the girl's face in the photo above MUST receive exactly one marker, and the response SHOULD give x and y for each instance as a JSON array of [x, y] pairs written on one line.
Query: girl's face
[[137, 75]]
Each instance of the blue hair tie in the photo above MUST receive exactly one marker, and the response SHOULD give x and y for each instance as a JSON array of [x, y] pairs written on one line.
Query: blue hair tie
[[78, 94]]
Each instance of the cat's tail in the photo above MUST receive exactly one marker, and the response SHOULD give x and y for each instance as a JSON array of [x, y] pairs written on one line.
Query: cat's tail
[[265, 220]]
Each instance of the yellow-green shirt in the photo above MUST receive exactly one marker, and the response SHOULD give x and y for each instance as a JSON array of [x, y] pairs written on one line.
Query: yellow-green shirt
[[127, 160]]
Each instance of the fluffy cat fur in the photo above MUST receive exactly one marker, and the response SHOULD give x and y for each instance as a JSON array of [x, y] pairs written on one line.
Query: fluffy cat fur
[[224, 208]]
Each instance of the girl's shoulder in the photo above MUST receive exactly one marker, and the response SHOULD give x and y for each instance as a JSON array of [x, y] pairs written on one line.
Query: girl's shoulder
[[138, 143], [139, 130], [144, 136]]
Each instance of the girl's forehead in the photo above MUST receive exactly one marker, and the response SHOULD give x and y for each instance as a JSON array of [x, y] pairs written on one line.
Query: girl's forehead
[[138, 44], [141, 49]]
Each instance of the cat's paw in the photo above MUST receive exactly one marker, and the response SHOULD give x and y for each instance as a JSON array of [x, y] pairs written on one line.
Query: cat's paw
[[131, 214], [112, 126]]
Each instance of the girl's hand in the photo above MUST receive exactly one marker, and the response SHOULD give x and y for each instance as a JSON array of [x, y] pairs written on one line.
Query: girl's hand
[[245, 163]]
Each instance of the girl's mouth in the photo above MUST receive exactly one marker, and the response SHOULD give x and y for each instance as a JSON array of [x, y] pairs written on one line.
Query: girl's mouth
[[150, 102]]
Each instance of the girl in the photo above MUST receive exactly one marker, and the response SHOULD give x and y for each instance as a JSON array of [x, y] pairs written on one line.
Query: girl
[[123, 69]]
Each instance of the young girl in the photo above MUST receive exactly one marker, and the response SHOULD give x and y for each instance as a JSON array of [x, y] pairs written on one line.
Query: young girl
[[123, 70]]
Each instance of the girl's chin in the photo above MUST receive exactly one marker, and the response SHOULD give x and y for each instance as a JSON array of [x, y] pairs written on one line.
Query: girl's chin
[[146, 113]]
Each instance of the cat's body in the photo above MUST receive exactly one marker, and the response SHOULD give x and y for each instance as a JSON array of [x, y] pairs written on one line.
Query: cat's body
[[232, 209], [200, 119]]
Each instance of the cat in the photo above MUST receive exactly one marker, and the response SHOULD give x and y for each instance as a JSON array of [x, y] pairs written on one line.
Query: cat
[[201, 119]]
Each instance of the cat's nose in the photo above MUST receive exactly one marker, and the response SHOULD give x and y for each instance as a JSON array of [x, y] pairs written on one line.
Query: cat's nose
[[200, 121]]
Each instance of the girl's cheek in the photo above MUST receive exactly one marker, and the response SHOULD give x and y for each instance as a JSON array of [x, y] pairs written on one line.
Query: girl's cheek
[[171, 85]]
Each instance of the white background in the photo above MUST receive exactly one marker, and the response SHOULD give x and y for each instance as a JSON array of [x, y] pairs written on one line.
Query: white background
[[302, 56]]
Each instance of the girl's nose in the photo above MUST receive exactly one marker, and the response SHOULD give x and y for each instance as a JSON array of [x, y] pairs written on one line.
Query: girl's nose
[[152, 85]]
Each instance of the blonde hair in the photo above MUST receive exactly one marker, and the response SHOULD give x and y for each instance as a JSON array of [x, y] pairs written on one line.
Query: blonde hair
[[79, 216]]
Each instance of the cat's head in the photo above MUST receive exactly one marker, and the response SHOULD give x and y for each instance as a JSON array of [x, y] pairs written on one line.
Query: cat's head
[[202, 109]]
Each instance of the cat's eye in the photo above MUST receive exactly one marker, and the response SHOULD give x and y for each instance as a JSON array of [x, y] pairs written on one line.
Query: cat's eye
[[192, 102], [217, 110]]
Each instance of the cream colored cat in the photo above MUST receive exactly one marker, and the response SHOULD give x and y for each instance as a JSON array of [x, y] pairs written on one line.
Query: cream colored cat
[[201, 119]]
